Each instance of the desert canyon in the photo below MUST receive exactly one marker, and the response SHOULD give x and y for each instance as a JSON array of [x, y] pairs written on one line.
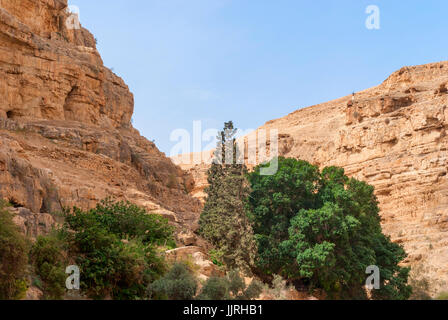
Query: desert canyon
[[66, 139], [392, 136]]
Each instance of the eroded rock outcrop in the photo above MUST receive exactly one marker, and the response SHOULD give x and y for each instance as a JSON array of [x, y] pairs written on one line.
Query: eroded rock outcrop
[[51, 72]]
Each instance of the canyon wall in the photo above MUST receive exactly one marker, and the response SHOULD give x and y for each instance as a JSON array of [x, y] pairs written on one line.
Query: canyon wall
[[394, 137], [66, 137]]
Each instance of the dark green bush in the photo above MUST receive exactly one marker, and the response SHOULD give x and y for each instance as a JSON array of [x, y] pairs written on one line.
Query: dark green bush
[[177, 284], [13, 257], [49, 260], [442, 296], [223, 221], [172, 181], [115, 246], [126, 220]]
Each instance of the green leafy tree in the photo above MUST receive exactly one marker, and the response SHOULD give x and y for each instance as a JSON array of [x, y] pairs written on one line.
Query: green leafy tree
[[224, 221], [13, 257], [115, 246], [323, 228]]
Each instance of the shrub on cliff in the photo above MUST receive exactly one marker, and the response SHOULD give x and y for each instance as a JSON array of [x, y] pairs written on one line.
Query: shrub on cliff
[[215, 288], [323, 229], [442, 296], [13, 257], [178, 284], [115, 246], [49, 261], [420, 283], [181, 284], [223, 221]]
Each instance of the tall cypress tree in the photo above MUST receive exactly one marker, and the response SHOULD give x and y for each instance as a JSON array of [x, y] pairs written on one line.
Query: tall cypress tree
[[224, 221]]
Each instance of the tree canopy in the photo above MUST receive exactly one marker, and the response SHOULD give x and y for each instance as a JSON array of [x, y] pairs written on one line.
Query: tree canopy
[[323, 228]]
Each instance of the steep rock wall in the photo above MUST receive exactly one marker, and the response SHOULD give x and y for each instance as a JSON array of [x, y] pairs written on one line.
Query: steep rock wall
[[54, 73], [65, 123]]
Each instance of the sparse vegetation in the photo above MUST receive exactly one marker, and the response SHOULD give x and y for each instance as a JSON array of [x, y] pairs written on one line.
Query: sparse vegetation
[[13, 257], [178, 284], [278, 288], [419, 283], [115, 246], [216, 257], [172, 181]]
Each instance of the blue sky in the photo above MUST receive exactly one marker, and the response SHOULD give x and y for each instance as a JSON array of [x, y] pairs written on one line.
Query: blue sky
[[251, 61]]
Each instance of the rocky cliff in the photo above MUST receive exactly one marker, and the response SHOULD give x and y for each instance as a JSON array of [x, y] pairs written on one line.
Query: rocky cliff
[[65, 124], [394, 137]]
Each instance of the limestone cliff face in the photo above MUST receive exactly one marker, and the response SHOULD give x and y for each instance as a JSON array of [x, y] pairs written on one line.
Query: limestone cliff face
[[54, 73], [65, 123], [66, 138], [394, 137]]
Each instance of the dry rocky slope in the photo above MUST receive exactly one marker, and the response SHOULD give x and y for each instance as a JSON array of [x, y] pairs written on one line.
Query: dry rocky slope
[[394, 137], [66, 137]]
